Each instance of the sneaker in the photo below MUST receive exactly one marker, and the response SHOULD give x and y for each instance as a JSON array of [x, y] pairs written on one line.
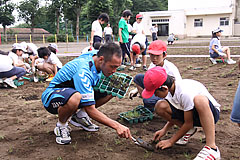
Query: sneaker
[[132, 68], [62, 135], [50, 79], [184, 140], [84, 122], [213, 60], [145, 68], [1, 80], [127, 63], [208, 153], [230, 61], [138, 65], [10, 82], [133, 93]]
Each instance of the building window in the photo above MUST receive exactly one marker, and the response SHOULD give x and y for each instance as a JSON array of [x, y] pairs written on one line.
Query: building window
[[198, 22], [160, 20], [224, 21]]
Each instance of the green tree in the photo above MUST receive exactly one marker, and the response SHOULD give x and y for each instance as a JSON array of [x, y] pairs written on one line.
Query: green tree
[[29, 12], [57, 8], [6, 17], [118, 6], [72, 10]]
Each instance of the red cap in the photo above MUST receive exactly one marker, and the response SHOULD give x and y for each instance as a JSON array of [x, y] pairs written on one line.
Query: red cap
[[157, 47], [153, 79], [139, 16], [136, 48]]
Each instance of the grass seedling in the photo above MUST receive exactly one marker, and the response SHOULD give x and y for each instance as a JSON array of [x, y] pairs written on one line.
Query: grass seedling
[[147, 155], [187, 155], [59, 158], [2, 137]]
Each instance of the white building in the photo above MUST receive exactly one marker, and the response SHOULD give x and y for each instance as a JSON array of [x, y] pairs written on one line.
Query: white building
[[195, 18]]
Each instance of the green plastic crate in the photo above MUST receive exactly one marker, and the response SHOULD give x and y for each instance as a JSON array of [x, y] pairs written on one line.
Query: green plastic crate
[[142, 113], [116, 84]]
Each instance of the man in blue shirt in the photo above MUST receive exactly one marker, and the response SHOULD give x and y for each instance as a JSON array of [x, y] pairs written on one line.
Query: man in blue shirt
[[72, 89]]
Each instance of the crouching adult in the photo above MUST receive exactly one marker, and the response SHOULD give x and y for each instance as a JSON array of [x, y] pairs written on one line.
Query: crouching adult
[[72, 89]]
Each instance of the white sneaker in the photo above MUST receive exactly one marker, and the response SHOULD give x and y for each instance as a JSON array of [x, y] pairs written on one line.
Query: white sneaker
[[133, 93], [184, 140], [230, 61], [10, 82], [208, 153], [138, 65], [62, 135], [132, 68], [84, 122], [213, 60]]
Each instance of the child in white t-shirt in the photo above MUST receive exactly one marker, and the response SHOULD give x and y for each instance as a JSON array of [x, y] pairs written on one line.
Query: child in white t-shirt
[[51, 63], [187, 103]]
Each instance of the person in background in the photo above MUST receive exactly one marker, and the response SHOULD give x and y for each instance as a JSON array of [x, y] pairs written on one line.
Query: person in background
[[8, 72], [53, 47], [51, 63], [31, 52], [216, 50], [235, 115], [137, 46], [138, 29], [96, 32], [154, 30], [187, 103], [107, 33], [124, 34], [170, 39]]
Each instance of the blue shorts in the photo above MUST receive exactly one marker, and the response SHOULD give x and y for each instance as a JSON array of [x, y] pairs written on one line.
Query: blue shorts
[[179, 114], [61, 96], [148, 102], [216, 55], [235, 115]]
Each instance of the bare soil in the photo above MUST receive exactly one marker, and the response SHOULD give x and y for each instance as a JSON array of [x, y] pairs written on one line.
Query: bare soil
[[27, 128]]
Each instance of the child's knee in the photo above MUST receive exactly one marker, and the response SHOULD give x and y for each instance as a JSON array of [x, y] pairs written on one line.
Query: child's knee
[[161, 107]]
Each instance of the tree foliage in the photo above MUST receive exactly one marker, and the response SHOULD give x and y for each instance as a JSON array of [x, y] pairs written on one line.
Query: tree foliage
[[6, 17], [29, 12]]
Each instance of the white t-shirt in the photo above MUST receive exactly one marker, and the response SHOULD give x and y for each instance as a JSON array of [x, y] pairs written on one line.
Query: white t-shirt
[[53, 59], [140, 38], [5, 63], [97, 28], [107, 30], [32, 48], [138, 28], [154, 29], [14, 57], [185, 91], [170, 68]]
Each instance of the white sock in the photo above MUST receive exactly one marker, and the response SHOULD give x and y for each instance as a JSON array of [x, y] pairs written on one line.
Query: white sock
[[81, 113], [59, 124]]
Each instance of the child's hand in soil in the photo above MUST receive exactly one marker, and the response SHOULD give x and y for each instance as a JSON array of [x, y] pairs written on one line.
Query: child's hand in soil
[[164, 144], [159, 135]]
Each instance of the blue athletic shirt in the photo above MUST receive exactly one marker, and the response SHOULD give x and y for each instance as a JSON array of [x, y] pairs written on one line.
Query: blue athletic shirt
[[79, 74]]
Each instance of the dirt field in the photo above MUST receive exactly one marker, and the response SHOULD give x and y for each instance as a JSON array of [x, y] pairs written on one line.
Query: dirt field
[[27, 128]]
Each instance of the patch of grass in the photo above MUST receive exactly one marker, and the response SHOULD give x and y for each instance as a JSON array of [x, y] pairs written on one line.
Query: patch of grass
[[75, 146], [2, 137], [59, 158], [147, 155], [117, 141], [187, 155], [10, 150], [109, 149]]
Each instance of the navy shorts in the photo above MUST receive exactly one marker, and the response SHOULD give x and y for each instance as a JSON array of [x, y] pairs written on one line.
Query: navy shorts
[[179, 114], [97, 39], [61, 96], [148, 102]]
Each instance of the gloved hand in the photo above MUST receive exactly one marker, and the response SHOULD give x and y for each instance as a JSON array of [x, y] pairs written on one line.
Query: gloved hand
[[133, 93]]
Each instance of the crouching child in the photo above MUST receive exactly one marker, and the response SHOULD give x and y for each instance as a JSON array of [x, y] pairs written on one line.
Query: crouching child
[[187, 103]]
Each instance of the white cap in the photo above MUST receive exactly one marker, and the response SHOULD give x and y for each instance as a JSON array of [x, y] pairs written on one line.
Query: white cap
[[19, 46], [217, 30], [54, 45], [24, 45]]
